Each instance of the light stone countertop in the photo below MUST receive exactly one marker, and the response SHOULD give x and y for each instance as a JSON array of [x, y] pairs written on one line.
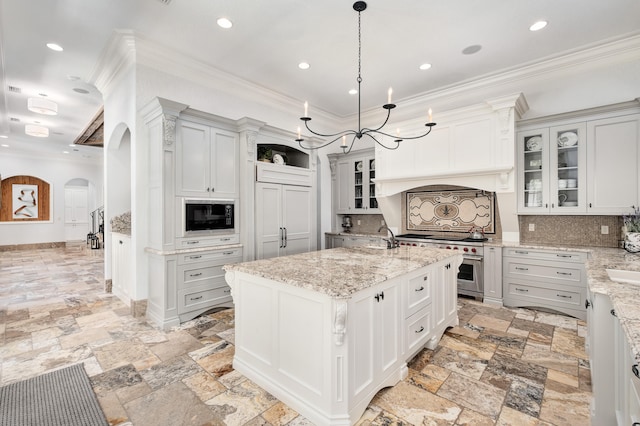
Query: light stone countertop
[[341, 272]]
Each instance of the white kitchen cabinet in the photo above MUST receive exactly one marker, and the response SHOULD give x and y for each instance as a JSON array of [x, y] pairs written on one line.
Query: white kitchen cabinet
[[493, 275], [200, 281], [552, 170], [284, 220], [613, 158], [121, 279], [327, 358], [354, 188], [445, 303], [550, 279], [207, 162], [594, 172], [375, 337]]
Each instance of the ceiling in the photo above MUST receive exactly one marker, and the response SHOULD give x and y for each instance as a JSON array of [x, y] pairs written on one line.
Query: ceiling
[[269, 39]]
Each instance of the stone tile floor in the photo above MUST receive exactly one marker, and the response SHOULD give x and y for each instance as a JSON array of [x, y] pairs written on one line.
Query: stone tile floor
[[499, 367]]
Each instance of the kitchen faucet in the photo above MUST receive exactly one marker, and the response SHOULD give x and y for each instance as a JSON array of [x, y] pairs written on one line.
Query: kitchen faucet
[[391, 243]]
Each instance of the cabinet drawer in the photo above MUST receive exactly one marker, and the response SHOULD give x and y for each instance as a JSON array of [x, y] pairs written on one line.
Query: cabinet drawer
[[571, 275], [202, 297], [418, 329], [546, 296], [418, 292], [184, 243], [218, 256], [210, 276], [563, 256]]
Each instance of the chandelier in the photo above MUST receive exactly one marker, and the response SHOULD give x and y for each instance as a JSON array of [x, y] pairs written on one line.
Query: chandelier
[[374, 134]]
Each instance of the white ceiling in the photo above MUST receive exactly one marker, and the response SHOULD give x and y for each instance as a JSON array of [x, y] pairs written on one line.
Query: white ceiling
[[269, 39]]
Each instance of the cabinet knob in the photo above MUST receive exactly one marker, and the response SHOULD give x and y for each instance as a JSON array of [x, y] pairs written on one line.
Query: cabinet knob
[[613, 312], [587, 304], [634, 368]]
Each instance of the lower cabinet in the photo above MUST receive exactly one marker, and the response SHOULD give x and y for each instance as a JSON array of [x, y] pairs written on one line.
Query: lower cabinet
[[552, 279], [327, 358], [493, 275], [121, 279], [615, 373], [335, 241], [187, 284]]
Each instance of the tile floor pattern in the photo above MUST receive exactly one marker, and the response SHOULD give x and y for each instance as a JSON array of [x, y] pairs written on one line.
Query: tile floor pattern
[[499, 367]]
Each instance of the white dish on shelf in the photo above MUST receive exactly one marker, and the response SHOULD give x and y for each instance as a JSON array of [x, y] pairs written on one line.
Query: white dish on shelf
[[570, 204], [572, 183], [277, 159], [359, 166], [373, 164], [534, 143], [567, 139]]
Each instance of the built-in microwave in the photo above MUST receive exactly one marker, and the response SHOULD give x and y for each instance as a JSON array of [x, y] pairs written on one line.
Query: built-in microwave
[[209, 217]]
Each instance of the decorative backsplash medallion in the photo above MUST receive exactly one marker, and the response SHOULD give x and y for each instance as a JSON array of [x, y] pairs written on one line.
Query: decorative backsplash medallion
[[454, 211]]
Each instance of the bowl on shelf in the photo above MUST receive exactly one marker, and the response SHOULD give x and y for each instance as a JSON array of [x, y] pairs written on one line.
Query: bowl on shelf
[[572, 183], [562, 183]]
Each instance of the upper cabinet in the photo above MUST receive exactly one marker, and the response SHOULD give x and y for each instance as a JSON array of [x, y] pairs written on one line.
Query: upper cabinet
[[586, 167], [207, 160], [552, 169], [355, 190]]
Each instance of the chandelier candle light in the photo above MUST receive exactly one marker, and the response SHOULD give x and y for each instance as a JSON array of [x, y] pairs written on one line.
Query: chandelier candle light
[[374, 134]]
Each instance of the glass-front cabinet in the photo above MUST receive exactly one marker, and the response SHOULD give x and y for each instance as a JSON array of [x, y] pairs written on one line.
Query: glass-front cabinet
[[552, 170], [355, 187]]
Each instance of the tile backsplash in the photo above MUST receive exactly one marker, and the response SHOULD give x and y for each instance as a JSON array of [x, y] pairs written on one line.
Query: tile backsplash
[[571, 230], [369, 223]]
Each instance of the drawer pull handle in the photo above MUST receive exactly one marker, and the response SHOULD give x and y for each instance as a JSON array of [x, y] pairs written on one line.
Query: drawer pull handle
[[228, 291], [196, 275], [193, 242], [425, 278], [613, 312], [564, 273], [420, 289], [225, 239], [195, 257], [521, 252], [227, 253], [421, 330], [634, 368], [521, 269], [587, 304], [196, 298], [524, 290], [564, 296], [564, 255]]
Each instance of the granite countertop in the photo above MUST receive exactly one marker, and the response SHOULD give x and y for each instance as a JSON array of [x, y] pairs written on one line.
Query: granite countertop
[[341, 272]]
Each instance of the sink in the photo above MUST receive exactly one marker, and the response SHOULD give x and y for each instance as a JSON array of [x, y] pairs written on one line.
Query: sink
[[620, 275]]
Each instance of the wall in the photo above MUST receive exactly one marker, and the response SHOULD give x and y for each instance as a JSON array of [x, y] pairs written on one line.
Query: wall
[[57, 172], [571, 230]]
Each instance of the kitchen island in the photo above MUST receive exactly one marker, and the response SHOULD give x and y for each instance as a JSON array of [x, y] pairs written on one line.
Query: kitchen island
[[325, 331]]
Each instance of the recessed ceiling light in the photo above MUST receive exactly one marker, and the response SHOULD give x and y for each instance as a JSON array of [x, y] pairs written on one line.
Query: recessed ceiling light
[[37, 131], [72, 145], [4, 145], [538, 26], [304, 65], [224, 23], [42, 106], [73, 78], [65, 152], [470, 50], [4, 136], [353, 92], [54, 46], [79, 90], [425, 66]]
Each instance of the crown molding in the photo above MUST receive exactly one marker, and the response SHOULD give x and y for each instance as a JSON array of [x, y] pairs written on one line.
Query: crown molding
[[118, 56]]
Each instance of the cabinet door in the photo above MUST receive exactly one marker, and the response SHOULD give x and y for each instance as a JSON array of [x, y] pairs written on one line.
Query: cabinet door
[[372, 202], [344, 188], [269, 228], [193, 160], [388, 327], [533, 171], [568, 168], [493, 274], [613, 158], [224, 164], [296, 219], [360, 184]]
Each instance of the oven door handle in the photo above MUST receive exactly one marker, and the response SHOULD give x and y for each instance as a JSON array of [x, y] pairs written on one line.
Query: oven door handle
[[472, 257]]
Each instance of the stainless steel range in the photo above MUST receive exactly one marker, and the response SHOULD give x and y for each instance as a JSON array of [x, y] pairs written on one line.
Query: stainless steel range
[[471, 272]]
